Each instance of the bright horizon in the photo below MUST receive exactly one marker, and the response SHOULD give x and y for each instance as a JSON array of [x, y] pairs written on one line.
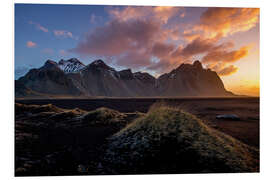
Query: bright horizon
[[144, 38]]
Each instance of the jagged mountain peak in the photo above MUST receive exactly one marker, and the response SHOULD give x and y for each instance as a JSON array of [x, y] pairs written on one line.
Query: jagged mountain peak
[[72, 65], [139, 73], [99, 79], [126, 70], [99, 64], [145, 77], [49, 64], [71, 60], [197, 64], [126, 74], [143, 74]]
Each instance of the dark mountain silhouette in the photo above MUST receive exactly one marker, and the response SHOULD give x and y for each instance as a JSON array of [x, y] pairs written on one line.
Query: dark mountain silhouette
[[73, 78], [191, 80], [49, 79]]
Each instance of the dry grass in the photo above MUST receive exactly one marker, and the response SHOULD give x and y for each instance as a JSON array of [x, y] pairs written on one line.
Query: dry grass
[[21, 108], [169, 140], [102, 116], [67, 114]]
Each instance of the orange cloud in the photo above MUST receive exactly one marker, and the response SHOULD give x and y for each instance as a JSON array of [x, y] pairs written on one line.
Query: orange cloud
[[188, 36], [228, 70], [129, 13], [30, 44], [219, 57], [199, 45], [165, 12], [225, 56], [148, 38], [160, 13], [215, 24], [227, 21]]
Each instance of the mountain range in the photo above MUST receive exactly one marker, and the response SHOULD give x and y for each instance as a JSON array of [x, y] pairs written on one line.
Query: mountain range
[[73, 78]]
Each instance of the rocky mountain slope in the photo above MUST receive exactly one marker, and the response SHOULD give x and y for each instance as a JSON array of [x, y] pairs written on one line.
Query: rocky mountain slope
[[71, 65], [191, 80], [73, 78]]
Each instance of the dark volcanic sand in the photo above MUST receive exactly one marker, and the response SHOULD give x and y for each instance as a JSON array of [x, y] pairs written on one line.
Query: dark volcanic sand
[[246, 129]]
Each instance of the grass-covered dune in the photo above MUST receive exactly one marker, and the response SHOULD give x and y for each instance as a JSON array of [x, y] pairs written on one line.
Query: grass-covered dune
[[21, 108], [169, 140], [103, 116], [56, 141]]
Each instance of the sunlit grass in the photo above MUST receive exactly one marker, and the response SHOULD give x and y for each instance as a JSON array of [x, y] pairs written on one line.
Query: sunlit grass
[[169, 140]]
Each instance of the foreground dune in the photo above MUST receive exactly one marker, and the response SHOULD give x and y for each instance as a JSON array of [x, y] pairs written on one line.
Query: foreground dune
[[168, 140], [56, 141]]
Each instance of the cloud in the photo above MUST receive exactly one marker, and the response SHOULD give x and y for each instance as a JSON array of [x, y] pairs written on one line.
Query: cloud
[[227, 21], [133, 43], [118, 37], [202, 45], [219, 57], [161, 49], [227, 70], [168, 57], [38, 26], [213, 54], [133, 36], [63, 33], [30, 44], [149, 38], [160, 13], [225, 56], [218, 23], [164, 13], [188, 36], [198, 46], [134, 59], [129, 13]]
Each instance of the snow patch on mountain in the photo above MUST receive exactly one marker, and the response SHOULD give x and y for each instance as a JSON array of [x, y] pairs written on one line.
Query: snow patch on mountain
[[70, 66]]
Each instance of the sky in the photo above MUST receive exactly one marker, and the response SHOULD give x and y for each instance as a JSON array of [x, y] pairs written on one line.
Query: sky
[[144, 38]]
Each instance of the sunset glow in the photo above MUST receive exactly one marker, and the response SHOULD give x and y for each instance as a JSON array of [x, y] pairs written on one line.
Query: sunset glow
[[144, 38]]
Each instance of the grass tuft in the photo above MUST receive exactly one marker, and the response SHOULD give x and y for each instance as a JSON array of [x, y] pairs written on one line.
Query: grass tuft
[[169, 140], [103, 116], [21, 108]]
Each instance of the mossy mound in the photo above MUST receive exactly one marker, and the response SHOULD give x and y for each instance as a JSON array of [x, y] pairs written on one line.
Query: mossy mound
[[67, 114], [103, 116], [168, 140], [22, 108]]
